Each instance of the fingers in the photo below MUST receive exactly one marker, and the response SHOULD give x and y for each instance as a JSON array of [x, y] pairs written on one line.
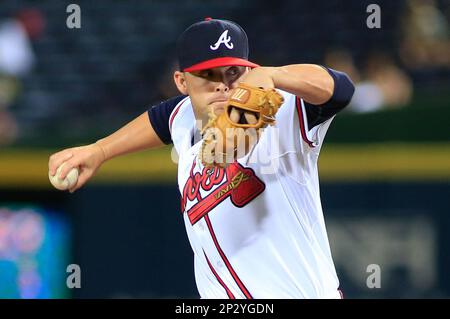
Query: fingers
[[67, 157], [57, 159], [82, 179], [86, 158], [250, 118], [68, 165], [235, 115]]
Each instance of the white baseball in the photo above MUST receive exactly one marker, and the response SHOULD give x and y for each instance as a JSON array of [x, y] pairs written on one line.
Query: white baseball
[[66, 183]]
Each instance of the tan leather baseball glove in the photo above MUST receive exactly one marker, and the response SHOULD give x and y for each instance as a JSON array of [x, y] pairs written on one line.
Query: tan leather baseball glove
[[230, 135]]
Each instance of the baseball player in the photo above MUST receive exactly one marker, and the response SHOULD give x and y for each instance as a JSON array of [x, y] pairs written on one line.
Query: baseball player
[[255, 224]]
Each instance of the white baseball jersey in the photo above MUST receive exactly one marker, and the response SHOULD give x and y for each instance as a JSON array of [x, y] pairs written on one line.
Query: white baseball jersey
[[257, 228]]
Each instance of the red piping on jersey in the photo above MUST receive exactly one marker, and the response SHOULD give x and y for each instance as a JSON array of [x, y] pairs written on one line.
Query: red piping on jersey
[[174, 113], [229, 293], [302, 123], [225, 260]]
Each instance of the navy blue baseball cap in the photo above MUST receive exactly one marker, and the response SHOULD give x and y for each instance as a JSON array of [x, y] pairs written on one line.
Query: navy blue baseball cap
[[213, 43]]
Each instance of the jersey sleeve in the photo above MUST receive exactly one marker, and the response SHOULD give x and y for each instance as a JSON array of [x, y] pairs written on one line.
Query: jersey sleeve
[[159, 116], [300, 129]]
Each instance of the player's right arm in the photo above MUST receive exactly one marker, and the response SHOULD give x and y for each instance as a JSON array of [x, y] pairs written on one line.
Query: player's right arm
[[144, 132]]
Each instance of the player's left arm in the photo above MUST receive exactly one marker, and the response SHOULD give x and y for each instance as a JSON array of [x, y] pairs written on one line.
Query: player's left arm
[[324, 91]]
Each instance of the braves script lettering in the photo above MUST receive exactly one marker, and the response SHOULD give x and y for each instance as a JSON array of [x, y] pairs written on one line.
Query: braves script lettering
[[237, 182]]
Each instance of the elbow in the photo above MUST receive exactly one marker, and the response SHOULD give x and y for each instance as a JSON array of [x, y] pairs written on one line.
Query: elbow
[[321, 90], [328, 90]]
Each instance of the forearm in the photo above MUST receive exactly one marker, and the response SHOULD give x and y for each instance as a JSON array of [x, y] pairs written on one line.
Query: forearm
[[137, 135], [309, 81]]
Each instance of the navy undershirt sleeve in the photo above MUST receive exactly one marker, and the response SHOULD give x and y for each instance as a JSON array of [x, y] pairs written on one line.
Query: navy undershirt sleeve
[[159, 117], [342, 94]]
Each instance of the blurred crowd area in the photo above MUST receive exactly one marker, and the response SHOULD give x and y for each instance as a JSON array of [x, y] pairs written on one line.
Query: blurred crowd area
[[60, 85]]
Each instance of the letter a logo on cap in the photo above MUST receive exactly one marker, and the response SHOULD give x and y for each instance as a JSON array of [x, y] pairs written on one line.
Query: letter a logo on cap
[[225, 39]]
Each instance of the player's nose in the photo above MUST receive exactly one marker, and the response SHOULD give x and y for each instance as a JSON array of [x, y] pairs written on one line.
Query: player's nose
[[222, 87]]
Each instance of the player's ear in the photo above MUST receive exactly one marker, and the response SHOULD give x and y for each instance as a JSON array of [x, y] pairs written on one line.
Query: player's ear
[[180, 82]]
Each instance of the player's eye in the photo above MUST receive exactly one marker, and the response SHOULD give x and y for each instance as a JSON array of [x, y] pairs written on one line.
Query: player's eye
[[204, 74], [208, 74], [233, 71]]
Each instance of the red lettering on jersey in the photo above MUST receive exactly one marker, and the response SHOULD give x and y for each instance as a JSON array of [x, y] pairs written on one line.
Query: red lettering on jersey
[[241, 185]]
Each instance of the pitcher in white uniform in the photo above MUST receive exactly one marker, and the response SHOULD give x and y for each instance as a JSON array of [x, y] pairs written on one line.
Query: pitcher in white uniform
[[256, 227]]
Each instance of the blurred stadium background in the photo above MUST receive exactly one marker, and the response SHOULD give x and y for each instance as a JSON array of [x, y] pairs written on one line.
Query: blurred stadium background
[[385, 166]]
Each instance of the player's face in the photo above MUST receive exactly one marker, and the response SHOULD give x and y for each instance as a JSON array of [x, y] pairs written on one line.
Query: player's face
[[210, 89]]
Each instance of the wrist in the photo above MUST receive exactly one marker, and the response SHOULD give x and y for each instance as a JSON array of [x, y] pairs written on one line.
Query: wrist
[[277, 75], [262, 76], [103, 151], [271, 71]]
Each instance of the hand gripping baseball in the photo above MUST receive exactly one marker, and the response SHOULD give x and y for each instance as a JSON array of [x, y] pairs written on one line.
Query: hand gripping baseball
[[230, 135]]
